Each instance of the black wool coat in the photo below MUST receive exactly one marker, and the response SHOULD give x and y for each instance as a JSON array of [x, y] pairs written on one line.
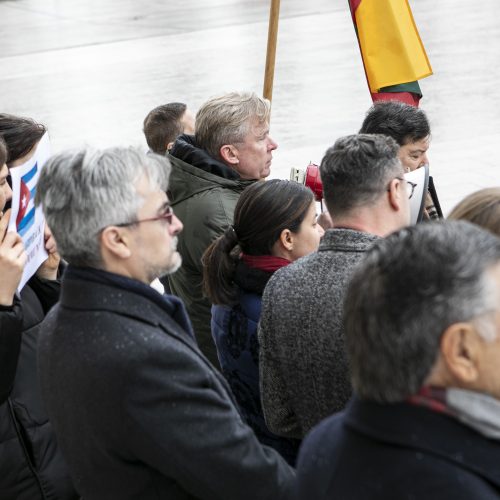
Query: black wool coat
[[139, 412], [397, 452]]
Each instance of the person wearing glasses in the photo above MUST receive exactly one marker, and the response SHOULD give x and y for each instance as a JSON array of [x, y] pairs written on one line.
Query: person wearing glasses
[[138, 410], [303, 367]]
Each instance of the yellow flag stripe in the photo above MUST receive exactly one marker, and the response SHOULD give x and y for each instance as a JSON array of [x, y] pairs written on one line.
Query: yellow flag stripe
[[392, 50]]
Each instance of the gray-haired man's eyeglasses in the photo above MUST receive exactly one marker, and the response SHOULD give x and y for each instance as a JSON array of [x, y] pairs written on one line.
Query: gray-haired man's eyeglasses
[[411, 184]]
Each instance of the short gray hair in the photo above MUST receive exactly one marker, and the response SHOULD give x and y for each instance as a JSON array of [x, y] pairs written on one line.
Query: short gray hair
[[226, 119], [407, 291], [82, 192], [356, 171]]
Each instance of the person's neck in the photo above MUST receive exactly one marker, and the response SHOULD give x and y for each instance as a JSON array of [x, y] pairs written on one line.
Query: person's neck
[[369, 220]]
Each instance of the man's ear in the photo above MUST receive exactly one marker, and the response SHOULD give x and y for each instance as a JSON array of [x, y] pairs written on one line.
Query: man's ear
[[229, 154], [460, 350], [115, 242], [395, 194]]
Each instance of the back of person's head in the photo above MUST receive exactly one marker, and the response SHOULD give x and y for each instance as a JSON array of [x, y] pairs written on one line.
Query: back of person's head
[[163, 124], [356, 170], [264, 210], [481, 208], [20, 134], [404, 123], [227, 119], [408, 291], [84, 191], [3, 152]]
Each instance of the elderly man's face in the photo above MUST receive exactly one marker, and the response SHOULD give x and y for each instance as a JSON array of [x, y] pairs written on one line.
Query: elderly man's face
[[154, 240], [489, 350], [255, 152], [413, 155]]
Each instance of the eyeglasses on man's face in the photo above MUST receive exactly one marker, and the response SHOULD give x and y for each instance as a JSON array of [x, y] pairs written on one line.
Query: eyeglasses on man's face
[[409, 183], [167, 216]]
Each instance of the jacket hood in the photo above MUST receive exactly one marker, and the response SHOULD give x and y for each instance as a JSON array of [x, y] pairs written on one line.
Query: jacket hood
[[194, 171]]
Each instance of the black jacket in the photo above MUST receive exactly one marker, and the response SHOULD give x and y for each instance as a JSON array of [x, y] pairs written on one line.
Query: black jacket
[[139, 412], [399, 451], [31, 465]]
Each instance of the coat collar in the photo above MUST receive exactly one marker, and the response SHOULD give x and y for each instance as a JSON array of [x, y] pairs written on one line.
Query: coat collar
[[347, 240], [96, 290], [419, 428]]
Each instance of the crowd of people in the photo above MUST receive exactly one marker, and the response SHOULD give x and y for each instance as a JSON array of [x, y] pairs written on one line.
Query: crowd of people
[[286, 354]]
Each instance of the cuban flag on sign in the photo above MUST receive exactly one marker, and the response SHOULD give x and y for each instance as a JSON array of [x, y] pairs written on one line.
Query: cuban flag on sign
[[26, 215]]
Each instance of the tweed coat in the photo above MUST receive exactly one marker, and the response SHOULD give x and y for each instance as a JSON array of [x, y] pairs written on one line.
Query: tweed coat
[[304, 374], [398, 451], [138, 411]]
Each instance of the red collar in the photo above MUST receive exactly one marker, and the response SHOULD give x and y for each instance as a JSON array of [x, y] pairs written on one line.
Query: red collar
[[267, 263]]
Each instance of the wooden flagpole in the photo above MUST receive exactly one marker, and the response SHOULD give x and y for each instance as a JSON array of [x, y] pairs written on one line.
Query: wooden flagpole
[[272, 41]]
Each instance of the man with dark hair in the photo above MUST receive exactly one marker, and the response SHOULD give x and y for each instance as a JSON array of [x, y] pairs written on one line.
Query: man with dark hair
[[410, 128], [304, 371], [165, 123], [231, 150], [422, 322], [139, 412]]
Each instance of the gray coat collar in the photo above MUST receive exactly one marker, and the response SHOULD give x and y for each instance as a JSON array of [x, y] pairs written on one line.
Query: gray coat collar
[[346, 240]]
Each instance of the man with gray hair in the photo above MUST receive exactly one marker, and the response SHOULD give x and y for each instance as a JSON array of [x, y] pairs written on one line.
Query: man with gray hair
[[230, 150], [304, 370], [138, 411], [422, 322]]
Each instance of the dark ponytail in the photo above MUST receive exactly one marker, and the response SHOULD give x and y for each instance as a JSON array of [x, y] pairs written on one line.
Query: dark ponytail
[[263, 211], [219, 265]]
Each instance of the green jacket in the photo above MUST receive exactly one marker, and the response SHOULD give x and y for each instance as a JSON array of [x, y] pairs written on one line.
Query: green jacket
[[203, 193]]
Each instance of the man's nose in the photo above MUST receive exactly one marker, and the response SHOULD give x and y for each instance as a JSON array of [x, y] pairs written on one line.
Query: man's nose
[[272, 144], [176, 225]]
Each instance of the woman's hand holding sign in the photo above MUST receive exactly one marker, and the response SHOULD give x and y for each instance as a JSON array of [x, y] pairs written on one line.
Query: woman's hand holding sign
[[12, 261], [48, 270]]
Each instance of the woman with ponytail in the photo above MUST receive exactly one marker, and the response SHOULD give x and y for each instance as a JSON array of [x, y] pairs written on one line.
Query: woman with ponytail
[[274, 224]]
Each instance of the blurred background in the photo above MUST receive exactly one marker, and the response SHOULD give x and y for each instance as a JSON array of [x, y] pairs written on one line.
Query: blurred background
[[91, 70]]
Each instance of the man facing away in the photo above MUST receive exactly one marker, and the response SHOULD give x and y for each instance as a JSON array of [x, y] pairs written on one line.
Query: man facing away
[[304, 371], [231, 149], [138, 411], [165, 123], [422, 321]]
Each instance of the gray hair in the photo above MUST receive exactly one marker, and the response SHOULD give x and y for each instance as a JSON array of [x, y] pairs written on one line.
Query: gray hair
[[407, 291], [356, 170], [82, 192], [226, 119]]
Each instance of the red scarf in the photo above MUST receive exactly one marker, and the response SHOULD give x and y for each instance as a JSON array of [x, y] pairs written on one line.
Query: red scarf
[[266, 263]]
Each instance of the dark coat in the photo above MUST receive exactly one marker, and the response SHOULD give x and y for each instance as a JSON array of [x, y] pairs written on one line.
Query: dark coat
[[397, 452], [234, 329], [140, 413], [304, 373], [203, 192], [31, 464]]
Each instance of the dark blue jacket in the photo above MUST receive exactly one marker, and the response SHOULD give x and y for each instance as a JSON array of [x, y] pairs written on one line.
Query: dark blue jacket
[[234, 330], [399, 451]]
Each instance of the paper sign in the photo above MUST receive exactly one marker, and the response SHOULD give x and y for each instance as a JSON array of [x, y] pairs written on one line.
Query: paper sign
[[25, 219]]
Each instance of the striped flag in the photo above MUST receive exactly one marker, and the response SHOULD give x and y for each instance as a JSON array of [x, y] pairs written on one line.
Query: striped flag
[[393, 55], [26, 214]]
